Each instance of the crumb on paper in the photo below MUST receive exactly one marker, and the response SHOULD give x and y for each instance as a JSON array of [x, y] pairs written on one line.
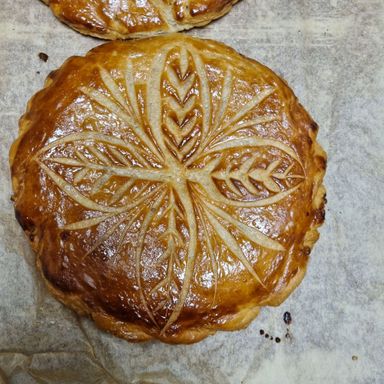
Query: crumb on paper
[[287, 318], [43, 57]]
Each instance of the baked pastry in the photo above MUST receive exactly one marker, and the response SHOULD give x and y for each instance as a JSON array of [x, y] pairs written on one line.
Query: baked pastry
[[121, 19], [169, 186]]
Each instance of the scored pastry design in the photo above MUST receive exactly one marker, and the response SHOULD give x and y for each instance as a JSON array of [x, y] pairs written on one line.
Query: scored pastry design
[[121, 19], [175, 177]]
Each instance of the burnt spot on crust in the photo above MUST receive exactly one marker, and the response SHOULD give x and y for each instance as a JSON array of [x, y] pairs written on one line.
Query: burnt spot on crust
[[52, 75], [64, 235], [307, 251], [25, 222], [120, 310], [319, 216], [322, 162], [60, 279], [314, 127]]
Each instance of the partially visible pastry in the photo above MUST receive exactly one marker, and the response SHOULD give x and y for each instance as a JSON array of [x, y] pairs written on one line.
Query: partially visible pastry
[[169, 186], [122, 19]]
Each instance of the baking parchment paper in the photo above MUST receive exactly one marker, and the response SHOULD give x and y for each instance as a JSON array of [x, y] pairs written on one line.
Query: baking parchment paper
[[331, 53]]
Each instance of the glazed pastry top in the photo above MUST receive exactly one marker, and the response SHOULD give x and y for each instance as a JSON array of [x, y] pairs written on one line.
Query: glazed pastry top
[[170, 187], [120, 19]]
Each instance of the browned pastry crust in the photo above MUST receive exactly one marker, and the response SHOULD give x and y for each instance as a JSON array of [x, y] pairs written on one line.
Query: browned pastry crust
[[169, 186], [122, 19]]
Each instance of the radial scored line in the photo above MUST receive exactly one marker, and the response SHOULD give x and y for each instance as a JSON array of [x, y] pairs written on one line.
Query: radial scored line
[[252, 234], [232, 245], [154, 104], [139, 250], [185, 198]]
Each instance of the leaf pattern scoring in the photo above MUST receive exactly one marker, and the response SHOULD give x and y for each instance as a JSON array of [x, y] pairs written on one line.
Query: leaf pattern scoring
[[205, 167]]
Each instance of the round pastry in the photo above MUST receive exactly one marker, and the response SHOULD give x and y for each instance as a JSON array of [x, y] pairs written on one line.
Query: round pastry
[[169, 186], [121, 19]]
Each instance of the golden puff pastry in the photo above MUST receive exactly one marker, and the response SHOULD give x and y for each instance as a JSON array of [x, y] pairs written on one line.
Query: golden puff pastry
[[169, 186], [122, 19]]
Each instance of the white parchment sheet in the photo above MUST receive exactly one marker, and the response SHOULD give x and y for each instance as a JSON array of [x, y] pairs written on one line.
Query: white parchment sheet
[[331, 52]]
